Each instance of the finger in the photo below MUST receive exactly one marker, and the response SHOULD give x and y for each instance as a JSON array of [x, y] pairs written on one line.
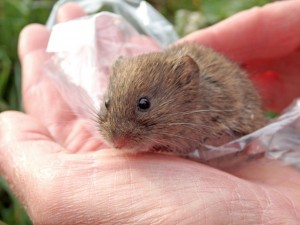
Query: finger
[[31, 44], [26, 155], [42, 100], [18, 127], [21, 138], [267, 171], [269, 31], [69, 11], [40, 96], [277, 80], [29, 41]]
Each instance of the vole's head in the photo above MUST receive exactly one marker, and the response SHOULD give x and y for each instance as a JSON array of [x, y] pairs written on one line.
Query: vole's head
[[148, 102]]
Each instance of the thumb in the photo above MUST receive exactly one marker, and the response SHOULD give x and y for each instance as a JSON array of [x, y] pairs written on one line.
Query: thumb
[[24, 145]]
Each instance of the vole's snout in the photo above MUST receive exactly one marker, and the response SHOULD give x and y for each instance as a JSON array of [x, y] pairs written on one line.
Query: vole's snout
[[120, 143], [122, 134], [119, 139]]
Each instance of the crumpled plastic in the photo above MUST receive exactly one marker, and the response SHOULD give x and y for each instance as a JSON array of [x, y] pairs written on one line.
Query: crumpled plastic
[[140, 14], [83, 52], [280, 140]]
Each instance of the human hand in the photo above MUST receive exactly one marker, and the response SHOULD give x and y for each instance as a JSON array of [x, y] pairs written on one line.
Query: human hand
[[265, 41], [53, 167]]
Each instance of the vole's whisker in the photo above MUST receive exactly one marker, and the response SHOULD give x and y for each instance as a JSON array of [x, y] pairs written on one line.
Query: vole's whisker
[[190, 124], [196, 127], [214, 110], [199, 111], [155, 141], [95, 118], [167, 102], [179, 136]]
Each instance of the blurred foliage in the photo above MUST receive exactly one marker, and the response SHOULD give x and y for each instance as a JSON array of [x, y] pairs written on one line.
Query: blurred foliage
[[271, 115], [191, 15], [15, 14], [11, 211]]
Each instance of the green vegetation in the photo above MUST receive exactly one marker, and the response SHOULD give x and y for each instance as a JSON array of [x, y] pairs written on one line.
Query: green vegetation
[[15, 14], [271, 115], [190, 15]]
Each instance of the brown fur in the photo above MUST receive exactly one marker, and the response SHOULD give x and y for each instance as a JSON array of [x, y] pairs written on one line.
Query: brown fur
[[197, 96]]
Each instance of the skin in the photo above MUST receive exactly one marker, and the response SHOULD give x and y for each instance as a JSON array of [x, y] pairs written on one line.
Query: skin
[[60, 178], [259, 49]]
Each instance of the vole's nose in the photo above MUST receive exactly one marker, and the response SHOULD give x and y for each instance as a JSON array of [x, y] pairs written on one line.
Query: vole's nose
[[120, 143]]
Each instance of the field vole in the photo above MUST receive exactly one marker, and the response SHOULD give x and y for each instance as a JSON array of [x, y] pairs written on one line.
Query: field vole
[[177, 100]]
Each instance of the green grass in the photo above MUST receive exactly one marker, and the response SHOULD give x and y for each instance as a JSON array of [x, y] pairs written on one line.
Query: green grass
[[208, 12], [15, 14]]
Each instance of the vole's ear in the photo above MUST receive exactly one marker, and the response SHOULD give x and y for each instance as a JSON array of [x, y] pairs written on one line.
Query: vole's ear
[[115, 65], [118, 61], [186, 70]]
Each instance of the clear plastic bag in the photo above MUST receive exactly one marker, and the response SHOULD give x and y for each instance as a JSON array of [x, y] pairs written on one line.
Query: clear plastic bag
[[280, 140], [142, 16], [83, 52]]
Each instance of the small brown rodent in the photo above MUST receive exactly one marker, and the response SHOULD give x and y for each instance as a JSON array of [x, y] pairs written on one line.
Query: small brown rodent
[[177, 100]]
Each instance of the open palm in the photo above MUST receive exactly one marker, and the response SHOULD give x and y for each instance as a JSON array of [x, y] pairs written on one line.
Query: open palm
[[51, 162]]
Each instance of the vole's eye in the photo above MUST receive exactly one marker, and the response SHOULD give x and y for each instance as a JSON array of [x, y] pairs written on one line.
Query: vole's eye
[[106, 103], [143, 104]]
